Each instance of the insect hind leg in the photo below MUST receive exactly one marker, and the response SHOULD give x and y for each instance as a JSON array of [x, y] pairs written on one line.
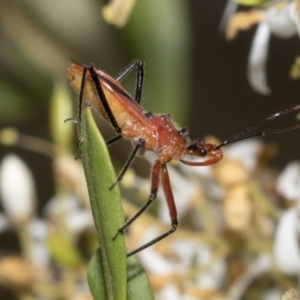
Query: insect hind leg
[[171, 205], [139, 78], [155, 173]]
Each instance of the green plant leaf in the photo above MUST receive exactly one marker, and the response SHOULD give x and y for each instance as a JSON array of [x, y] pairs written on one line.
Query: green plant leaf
[[96, 277], [107, 213], [138, 285], [108, 267]]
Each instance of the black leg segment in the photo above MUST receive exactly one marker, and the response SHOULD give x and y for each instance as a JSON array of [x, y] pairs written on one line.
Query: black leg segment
[[140, 144], [102, 97], [139, 80]]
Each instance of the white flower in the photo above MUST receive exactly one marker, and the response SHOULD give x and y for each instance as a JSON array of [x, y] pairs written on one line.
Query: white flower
[[246, 151], [258, 59], [17, 189], [188, 253], [77, 218], [169, 292], [288, 183], [39, 254], [283, 22], [260, 266], [286, 246]]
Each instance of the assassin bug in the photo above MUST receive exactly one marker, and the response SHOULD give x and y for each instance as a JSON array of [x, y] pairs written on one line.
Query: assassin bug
[[153, 132]]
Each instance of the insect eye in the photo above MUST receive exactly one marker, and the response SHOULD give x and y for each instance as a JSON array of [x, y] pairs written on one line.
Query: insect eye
[[203, 152]]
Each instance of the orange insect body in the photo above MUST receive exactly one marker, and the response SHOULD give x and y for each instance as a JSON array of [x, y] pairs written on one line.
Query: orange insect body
[[158, 131], [149, 131]]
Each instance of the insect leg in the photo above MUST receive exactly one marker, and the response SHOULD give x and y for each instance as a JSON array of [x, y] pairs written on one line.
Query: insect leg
[[114, 139], [139, 79], [140, 144], [154, 188], [77, 119], [172, 209], [138, 89], [102, 97]]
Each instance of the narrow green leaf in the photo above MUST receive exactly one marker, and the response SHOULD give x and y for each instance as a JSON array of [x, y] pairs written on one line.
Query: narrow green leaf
[[138, 285], [107, 213], [107, 268], [96, 278]]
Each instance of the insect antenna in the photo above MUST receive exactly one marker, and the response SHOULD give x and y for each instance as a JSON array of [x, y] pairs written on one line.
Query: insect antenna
[[243, 134]]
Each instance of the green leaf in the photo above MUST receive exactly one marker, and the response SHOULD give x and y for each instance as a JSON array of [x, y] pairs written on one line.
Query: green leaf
[[107, 213], [96, 278], [138, 283], [110, 274], [138, 286]]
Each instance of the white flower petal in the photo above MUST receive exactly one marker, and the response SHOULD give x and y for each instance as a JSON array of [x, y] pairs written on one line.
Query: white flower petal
[[272, 293], [288, 182], [214, 276], [286, 247], [246, 151], [261, 265], [77, 218], [295, 16], [38, 229], [258, 58], [230, 9], [151, 259], [17, 189], [169, 292], [79, 221], [281, 21], [39, 253], [56, 206]]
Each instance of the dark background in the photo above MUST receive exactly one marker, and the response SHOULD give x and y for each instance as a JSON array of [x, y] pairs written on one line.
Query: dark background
[[223, 101]]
